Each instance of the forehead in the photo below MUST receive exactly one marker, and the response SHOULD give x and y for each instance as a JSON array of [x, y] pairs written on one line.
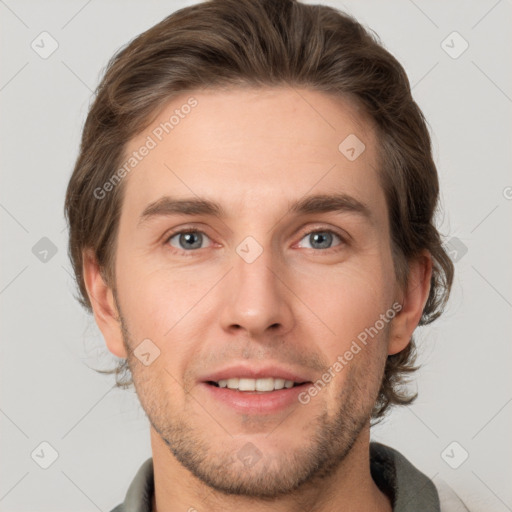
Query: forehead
[[253, 146]]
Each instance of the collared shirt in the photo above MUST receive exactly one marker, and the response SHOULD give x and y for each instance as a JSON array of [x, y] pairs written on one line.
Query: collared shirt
[[408, 488]]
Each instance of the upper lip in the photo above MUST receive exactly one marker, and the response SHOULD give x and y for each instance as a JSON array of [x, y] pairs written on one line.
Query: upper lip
[[255, 372]]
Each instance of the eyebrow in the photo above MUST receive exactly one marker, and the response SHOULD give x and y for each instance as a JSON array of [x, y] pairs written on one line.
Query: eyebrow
[[320, 203]]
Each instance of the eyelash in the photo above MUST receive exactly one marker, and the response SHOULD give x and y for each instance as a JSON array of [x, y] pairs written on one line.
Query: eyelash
[[343, 240]]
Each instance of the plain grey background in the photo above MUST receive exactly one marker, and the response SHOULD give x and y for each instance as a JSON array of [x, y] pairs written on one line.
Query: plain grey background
[[100, 435]]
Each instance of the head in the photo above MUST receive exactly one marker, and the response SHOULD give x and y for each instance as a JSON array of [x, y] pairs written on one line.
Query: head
[[296, 247]]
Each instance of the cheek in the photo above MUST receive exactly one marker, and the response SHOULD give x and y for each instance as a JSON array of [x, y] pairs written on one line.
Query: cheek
[[165, 304], [347, 299]]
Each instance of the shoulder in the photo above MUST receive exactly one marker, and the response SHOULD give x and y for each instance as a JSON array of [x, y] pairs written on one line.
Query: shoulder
[[448, 499], [408, 486], [140, 492]]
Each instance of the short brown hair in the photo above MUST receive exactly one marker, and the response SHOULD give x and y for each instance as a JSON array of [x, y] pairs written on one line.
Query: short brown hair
[[263, 43]]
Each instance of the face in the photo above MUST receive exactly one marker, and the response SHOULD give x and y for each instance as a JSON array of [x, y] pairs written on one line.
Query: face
[[277, 278]]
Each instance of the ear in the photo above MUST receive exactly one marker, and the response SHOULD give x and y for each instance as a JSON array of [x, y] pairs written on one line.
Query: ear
[[413, 300], [103, 305]]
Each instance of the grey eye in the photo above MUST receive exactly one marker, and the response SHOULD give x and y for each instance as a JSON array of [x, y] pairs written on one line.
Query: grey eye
[[187, 240], [321, 239]]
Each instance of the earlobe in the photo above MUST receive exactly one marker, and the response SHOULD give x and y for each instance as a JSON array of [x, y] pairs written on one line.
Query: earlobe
[[103, 304], [413, 302]]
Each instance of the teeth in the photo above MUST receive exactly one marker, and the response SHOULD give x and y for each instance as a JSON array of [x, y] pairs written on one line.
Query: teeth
[[266, 384], [279, 383], [247, 385]]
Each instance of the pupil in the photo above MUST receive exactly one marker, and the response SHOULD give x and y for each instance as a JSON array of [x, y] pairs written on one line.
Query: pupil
[[188, 239], [322, 237]]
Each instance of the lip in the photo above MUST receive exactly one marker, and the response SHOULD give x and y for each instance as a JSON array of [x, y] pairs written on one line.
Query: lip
[[254, 372], [252, 402]]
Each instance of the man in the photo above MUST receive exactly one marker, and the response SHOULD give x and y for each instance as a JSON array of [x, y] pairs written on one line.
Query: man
[[251, 224]]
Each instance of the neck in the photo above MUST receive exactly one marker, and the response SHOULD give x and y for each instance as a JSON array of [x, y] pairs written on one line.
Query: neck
[[350, 485]]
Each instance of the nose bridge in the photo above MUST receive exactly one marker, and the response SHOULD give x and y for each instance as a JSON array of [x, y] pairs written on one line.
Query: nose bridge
[[257, 298]]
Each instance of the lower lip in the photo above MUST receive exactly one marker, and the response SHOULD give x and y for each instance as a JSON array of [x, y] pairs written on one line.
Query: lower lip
[[251, 402]]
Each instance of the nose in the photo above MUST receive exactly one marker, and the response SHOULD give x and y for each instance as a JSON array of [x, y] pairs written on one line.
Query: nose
[[257, 298]]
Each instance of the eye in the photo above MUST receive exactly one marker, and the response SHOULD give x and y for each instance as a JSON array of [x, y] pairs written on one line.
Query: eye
[[321, 239], [187, 239]]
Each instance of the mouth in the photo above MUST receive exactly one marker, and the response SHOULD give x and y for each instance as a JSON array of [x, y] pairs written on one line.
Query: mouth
[[255, 396], [247, 385]]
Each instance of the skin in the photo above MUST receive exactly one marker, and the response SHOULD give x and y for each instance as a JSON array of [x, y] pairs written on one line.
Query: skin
[[298, 304]]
